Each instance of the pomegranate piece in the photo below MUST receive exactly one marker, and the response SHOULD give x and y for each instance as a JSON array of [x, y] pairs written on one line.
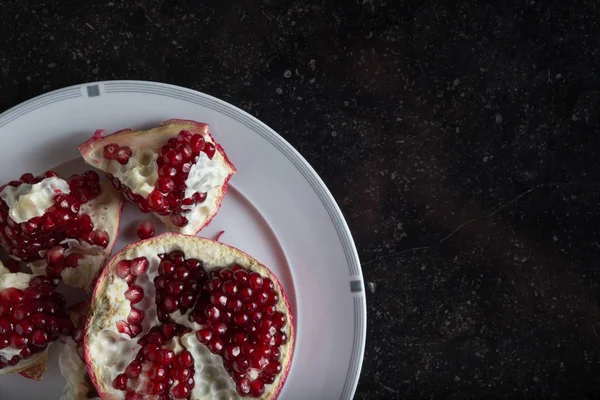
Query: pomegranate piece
[[204, 302], [175, 171], [32, 316], [70, 224]]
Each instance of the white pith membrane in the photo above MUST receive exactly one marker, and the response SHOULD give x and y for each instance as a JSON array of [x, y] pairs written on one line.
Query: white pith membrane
[[37, 362], [109, 352], [141, 171], [104, 211]]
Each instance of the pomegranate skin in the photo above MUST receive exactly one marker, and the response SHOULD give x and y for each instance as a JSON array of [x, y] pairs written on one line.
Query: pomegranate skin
[[185, 243]]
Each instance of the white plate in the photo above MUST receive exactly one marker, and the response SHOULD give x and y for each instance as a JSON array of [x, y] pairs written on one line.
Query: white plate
[[277, 210]]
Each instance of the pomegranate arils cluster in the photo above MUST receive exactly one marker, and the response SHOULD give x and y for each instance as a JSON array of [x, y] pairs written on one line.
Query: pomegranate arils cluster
[[238, 311], [178, 283], [174, 162], [129, 270], [32, 318], [62, 220], [121, 154], [158, 368]]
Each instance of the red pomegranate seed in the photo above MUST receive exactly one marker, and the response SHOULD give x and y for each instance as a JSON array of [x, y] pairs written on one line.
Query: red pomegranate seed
[[215, 345], [26, 178], [181, 391], [134, 294], [99, 238], [164, 184], [256, 281], [135, 316], [185, 359], [133, 370], [123, 155], [12, 295], [123, 269], [155, 200], [179, 220], [110, 151], [170, 304], [204, 335], [166, 267], [120, 382], [209, 149], [231, 352], [257, 388], [243, 387], [123, 327], [139, 266]]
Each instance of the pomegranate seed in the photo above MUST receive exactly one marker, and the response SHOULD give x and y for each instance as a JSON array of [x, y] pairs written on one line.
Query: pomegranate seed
[[174, 287], [23, 328], [173, 158], [100, 238], [158, 372], [245, 293], [135, 316], [215, 345], [204, 335], [139, 266], [123, 327], [231, 352], [164, 184], [214, 284], [279, 319], [273, 367], [134, 294], [170, 304], [12, 295], [167, 171], [196, 143], [133, 396], [185, 359], [179, 220], [166, 267], [123, 155], [123, 269], [26, 178], [18, 341], [169, 331], [167, 357], [199, 198], [120, 382], [181, 391], [157, 387], [110, 151], [6, 326], [209, 149], [256, 281], [155, 200], [257, 388], [243, 387], [235, 305], [133, 370]]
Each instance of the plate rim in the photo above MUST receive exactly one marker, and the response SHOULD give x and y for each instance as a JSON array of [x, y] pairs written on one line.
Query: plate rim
[[356, 280]]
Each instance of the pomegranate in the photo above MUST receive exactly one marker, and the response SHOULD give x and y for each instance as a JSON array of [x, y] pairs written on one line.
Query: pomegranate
[[72, 360], [32, 316], [183, 317], [63, 228], [175, 171]]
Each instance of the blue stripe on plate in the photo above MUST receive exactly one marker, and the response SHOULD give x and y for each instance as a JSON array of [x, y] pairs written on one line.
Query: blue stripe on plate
[[40, 101]]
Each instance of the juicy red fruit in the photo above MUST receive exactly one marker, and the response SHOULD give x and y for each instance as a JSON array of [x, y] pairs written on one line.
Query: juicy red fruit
[[32, 318], [145, 230], [62, 220], [174, 163], [237, 311]]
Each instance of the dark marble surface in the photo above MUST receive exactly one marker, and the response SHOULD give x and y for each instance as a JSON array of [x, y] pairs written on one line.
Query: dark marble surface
[[460, 140]]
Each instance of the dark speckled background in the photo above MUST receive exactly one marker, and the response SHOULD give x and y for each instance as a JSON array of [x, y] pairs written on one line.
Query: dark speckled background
[[459, 138]]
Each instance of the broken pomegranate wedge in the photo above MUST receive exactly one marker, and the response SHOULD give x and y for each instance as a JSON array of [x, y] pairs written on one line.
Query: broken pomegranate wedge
[[183, 317], [63, 228], [32, 316], [175, 171]]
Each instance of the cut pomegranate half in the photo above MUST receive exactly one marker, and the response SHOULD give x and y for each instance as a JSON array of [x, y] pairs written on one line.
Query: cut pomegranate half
[[32, 316], [62, 228], [72, 359], [183, 317], [175, 171]]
